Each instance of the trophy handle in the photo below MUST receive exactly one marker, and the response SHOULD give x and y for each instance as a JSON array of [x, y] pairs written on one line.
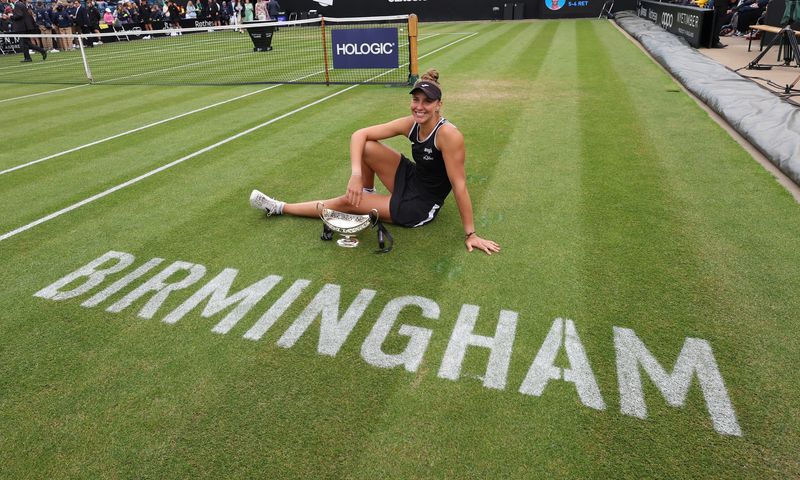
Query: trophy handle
[[320, 209], [373, 217]]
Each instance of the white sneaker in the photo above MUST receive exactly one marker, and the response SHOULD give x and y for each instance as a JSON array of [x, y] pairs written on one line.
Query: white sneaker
[[262, 202], [54, 51]]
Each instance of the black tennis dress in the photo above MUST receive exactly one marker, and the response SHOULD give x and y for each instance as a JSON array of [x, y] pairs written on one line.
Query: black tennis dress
[[421, 186]]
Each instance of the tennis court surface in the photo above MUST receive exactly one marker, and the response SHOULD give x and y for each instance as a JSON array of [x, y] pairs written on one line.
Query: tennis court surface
[[639, 322]]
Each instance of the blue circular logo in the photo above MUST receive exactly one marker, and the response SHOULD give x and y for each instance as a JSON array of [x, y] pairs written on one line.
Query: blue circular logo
[[554, 4]]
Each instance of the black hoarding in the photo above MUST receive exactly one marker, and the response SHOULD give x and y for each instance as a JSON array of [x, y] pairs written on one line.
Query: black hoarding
[[693, 24]]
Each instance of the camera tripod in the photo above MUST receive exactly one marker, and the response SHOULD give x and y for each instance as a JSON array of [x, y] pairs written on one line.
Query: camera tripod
[[791, 53]]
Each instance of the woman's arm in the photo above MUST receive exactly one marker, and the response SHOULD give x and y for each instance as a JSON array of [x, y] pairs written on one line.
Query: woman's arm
[[358, 141], [451, 143]]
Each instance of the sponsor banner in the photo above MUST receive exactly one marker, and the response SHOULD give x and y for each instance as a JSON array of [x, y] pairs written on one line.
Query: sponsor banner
[[693, 24], [10, 44], [569, 8], [452, 10], [365, 48]]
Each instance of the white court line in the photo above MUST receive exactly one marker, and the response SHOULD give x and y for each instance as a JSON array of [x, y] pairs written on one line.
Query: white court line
[[121, 78], [132, 181], [43, 93], [138, 129]]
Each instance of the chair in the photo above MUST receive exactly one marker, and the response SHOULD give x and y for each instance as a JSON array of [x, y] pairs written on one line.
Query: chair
[[605, 11]]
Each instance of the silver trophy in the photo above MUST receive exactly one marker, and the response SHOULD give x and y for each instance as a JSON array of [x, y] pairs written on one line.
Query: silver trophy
[[345, 224]]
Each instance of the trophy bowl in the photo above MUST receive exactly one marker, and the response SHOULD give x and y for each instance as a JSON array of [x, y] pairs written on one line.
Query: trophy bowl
[[346, 224]]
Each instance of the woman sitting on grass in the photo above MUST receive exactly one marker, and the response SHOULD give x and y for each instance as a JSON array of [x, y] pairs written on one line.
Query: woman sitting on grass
[[417, 190]]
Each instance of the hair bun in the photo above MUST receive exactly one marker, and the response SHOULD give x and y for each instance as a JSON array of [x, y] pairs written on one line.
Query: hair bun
[[431, 75]]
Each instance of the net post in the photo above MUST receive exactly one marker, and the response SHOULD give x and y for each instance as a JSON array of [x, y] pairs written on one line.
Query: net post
[[413, 60], [83, 57], [325, 51]]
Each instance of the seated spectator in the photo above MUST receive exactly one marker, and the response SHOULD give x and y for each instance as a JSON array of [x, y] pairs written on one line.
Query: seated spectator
[[133, 9], [748, 12], [6, 19], [191, 12], [123, 15], [155, 14], [108, 17], [728, 21]]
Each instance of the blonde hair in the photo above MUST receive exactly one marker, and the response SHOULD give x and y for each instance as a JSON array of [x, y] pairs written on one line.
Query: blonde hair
[[432, 75]]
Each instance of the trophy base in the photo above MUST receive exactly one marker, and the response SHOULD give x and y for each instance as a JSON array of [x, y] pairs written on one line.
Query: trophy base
[[348, 242]]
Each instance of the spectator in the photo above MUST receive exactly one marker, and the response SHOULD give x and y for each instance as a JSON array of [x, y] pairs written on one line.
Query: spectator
[[155, 14], [123, 15], [174, 19], [82, 23], [214, 12], [273, 9], [70, 9], [191, 12], [226, 12], [45, 25], [237, 8], [748, 12], [23, 22], [133, 9], [94, 19], [261, 11], [248, 11], [108, 17], [146, 16], [63, 22], [5, 18]]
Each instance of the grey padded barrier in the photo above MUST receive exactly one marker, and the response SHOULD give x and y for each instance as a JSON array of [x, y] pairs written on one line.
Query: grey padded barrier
[[770, 123]]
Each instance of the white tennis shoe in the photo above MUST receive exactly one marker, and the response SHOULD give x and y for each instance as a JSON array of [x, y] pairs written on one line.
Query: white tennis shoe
[[262, 202]]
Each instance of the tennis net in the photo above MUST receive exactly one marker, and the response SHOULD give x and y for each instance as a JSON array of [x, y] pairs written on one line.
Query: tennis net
[[320, 50]]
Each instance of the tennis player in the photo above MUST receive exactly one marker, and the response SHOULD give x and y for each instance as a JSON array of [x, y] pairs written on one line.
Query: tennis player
[[417, 189]]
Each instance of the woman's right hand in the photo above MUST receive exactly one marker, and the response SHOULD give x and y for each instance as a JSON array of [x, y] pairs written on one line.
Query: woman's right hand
[[355, 188]]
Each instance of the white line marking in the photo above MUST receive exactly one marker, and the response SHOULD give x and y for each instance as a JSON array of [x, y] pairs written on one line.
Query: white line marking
[[43, 93], [132, 181], [138, 129], [118, 135], [120, 78]]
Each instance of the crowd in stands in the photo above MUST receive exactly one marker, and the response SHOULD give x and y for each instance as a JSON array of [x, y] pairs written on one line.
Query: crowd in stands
[[90, 16], [739, 15]]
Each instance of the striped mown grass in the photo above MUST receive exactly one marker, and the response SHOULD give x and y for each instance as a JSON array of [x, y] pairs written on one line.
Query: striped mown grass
[[618, 203]]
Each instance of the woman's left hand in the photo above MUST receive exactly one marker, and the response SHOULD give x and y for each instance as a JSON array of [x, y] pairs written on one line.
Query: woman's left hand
[[488, 246]]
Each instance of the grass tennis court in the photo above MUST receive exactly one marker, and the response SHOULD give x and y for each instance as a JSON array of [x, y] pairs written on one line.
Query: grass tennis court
[[621, 207]]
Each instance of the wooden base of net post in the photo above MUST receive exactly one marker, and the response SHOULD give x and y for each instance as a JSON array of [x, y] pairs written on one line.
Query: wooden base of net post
[[413, 60]]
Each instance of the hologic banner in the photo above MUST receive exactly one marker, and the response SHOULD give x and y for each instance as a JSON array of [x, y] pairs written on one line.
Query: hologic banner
[[365, 48]]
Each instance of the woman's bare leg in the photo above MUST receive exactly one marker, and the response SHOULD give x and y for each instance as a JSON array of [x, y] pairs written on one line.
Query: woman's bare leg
[[379, 159], [368, 203]]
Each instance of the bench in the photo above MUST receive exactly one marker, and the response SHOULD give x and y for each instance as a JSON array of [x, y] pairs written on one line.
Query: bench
[[765, 28]]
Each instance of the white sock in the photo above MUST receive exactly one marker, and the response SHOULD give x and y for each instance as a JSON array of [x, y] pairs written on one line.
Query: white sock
[[368, 189]]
